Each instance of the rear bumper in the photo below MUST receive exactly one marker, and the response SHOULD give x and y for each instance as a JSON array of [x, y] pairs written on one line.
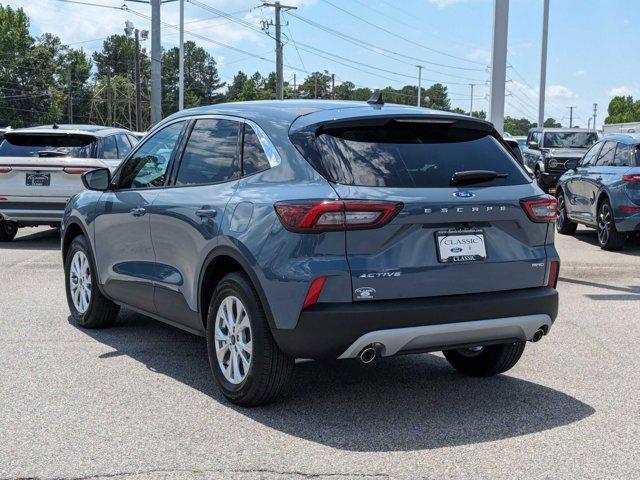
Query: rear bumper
[[33, 212], [330, 331]]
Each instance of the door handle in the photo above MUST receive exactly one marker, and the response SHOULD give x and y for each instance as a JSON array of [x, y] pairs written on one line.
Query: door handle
[[138, 212], [206, 213]]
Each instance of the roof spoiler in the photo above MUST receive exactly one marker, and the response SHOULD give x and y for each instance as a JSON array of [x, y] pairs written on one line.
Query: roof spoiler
[[376, 100]]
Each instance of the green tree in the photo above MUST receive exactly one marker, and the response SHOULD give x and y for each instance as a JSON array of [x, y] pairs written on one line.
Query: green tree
[[117, 58], [437, 97], [623, 109], [552, 123], [316, 85], [517, 126]]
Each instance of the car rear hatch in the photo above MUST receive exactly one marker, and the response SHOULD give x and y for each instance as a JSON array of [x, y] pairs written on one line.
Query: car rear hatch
[[447, 237], [45, 165]]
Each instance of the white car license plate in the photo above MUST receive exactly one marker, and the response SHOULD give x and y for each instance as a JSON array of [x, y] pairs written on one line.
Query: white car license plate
[[38, 180], [461, 246]]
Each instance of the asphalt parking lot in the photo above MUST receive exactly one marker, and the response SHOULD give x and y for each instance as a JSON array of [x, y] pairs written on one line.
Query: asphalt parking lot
[[138, 401]]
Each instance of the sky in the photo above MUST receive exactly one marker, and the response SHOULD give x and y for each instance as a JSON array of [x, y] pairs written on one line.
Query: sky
[[591, 52]]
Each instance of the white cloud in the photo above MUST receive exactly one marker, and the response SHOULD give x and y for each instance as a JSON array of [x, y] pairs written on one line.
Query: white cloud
[[623, 90], [579, 73], [447, 3], [559, 91], [479, 54]]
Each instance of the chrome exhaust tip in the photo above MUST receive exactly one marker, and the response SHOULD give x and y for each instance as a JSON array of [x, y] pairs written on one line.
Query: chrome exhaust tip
[[368, 354], [538, 335]]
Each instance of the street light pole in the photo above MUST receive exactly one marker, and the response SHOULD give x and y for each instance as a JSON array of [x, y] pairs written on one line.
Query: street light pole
[[543, 63], [499, 62], [420, 67], [156, 53], [181, 60], [138, 86]]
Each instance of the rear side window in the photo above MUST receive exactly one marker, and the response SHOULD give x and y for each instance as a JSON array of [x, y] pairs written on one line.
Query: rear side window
[[43, 145], [624, 156], [590, 157], [124, 147], [606, 154], [109, 149], [406, 154], [211, 154], [253, 157]]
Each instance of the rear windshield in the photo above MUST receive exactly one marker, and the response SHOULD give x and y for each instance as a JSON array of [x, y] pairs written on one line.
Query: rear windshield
[[569, 139], [406, 154], [28, 145]]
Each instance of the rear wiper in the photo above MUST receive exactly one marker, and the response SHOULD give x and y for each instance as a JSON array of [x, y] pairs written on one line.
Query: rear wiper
[[475, 176], [51, 153]]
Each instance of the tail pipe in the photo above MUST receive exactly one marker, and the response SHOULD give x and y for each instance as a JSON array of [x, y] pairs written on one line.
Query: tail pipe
[[369, 353], [537, 336]]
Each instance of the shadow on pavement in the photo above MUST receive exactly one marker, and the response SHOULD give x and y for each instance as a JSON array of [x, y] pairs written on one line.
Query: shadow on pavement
[[403, 403], [41, 240], [627, 293], [590, 236]]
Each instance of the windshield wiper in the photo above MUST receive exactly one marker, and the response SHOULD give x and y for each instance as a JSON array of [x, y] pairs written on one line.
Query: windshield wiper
[[475, 176], [51, 153]]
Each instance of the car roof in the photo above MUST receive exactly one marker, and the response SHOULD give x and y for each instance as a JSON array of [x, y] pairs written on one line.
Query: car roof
[[623, 138], [282, 114], [561, 129], [70, 129]]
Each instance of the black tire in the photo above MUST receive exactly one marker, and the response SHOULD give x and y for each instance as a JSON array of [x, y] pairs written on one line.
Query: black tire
[[8, 230], [486, 362], [538, 176], [608, 236], [270, 370], [101, 312], [563, 224]]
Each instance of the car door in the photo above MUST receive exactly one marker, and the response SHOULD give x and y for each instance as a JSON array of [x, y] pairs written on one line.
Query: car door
[[593, 177], [186, 216], [124, 253], [575, 188]]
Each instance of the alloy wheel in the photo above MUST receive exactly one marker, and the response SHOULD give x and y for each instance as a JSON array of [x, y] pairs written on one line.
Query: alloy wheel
[[233, 339], [604, 223], [561, 212], [80, 281]]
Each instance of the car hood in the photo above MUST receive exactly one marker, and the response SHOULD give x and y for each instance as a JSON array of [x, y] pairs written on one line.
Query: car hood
[[566, 152]]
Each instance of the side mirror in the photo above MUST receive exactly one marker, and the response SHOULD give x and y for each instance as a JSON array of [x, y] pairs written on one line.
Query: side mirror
[[533, 144], [98, 179]]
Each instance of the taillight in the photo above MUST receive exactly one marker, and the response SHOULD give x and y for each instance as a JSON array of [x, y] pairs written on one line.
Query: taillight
[[554, 270], [626, 208], [5, 169], [76, 171], [543, 208], [314, 292], [315, 216], [632, 178]]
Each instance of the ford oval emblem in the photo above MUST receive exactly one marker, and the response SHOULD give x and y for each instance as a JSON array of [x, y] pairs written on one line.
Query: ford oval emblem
[[464, 194], [456, 250]]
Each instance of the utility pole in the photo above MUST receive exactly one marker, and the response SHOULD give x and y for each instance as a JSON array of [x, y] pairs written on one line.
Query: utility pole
[[138, 86], [315, 94], [69, 97], [181, 60], [571, 117], [471, 102], [295, 89], [543, 63], [333, 84], [109, 111], [156, 54], [595, 111], [499, 63], [420, 67], [279, 80]]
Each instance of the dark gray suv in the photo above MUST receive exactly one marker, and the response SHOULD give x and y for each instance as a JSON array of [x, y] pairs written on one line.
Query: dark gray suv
[[318, 230]]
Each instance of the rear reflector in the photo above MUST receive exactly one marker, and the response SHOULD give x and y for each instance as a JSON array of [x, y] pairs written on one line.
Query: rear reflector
[[554, 269], [4, 169], [630, 209], [631, 178], [315, 216], [314, 292], [76, 171], [543, 208]]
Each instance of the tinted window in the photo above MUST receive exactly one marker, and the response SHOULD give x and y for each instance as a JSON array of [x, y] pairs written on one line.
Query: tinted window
[[148, 166], [253, 156], [133, 140], [124, 147], [590, 157], [623, 156], [41, 145], [409, 154], [109, 149], [606, 154], [211, 154], [569, 139]]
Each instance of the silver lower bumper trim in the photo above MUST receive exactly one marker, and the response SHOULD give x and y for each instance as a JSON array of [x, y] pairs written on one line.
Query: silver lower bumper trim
[[450, 334]]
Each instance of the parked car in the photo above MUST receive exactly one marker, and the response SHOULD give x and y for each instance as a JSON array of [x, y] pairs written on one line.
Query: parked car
[[40, 170], [603, 191], [3, 131], [549, 149], [522, 140], [318, 230]]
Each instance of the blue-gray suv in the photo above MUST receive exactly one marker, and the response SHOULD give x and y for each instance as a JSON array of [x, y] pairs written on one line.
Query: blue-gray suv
[[602, 191], [286, 230]]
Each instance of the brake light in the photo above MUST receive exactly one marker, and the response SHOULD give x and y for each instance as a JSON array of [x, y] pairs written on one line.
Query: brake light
[[315, 216], [543, 208], [76, 171], [629, 209], [5, 169], [554, 270], [314, 292], [632, 178]]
